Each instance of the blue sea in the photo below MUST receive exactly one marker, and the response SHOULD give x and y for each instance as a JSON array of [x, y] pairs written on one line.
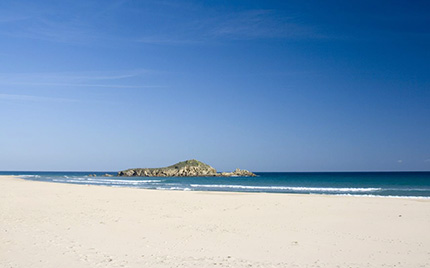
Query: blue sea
[[387, 184]]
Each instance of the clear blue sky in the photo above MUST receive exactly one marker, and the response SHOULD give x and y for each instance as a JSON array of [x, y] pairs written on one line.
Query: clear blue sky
[[261, 85]]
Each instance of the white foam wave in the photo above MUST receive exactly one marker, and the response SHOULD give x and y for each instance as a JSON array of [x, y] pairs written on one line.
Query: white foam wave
[[108, 182], [285, 188], [174, 188], [29, 176], [409, 189], [124, 181], [386, 196]]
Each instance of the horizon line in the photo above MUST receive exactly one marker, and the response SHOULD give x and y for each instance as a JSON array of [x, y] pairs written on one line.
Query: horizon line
[[313, 171]]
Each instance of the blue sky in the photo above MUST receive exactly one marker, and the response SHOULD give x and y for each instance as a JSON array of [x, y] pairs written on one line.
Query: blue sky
[[261, 85]]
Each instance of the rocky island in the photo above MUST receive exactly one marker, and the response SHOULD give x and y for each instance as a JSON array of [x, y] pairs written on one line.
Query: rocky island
[[189, 168]]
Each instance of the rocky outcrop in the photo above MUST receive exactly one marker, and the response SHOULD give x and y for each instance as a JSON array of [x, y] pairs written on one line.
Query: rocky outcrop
[[237, 173], [189, 168], [105, 175]]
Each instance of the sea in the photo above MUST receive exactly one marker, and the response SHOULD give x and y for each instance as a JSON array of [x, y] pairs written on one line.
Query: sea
[[379, 184]]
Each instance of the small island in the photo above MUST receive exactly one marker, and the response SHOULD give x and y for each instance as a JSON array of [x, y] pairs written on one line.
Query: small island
[[188, 168]]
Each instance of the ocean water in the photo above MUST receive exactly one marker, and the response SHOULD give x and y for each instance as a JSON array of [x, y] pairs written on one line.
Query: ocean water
[[388, 184]]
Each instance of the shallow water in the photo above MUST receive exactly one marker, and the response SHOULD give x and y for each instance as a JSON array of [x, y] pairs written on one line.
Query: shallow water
[[392, 184]]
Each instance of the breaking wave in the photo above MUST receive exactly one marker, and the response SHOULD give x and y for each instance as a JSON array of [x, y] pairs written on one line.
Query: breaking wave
[[286, 188], [107, 181]]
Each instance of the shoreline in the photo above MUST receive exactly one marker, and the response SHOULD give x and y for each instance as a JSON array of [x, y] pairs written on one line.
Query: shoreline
[[53, 224], [21, 177]]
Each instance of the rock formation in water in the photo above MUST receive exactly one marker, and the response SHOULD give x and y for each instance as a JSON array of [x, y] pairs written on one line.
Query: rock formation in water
[[105, 175], [189, 168], [237, 173]]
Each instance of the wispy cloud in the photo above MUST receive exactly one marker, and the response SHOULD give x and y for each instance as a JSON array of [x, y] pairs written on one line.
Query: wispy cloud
[[124, 79], [12, 18], [54, 30], [84, 85], [242, 25], [16, 97], [41, 21], [262, 23], [184, 23], [164, 40]]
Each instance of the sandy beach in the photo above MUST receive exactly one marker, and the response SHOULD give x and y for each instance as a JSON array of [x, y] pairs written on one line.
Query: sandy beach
[[64, 225]]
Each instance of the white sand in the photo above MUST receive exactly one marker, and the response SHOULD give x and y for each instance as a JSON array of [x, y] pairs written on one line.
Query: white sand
[[62, 225]]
